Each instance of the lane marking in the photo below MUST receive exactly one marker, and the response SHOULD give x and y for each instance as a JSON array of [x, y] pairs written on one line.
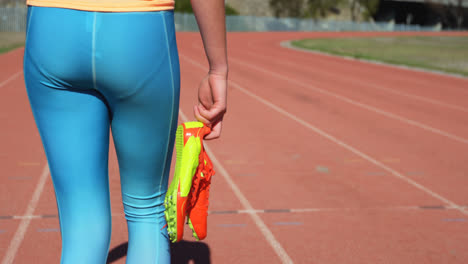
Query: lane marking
[[322, 169], [278, 211], [318, 210], [340, 143], [42, 216], [371, 85], [352, 149], [49, 216], [454, 220], [353, 102], [26, 216], [11, 78], [246, 204], [224, 212], [23, 225]]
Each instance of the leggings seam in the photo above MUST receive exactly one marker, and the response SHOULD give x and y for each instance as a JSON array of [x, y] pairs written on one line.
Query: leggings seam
[[171, 117], [93, 51]]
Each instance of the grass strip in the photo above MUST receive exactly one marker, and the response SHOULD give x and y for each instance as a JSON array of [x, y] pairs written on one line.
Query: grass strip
[[445, 54], [11, 40], [10, 47]]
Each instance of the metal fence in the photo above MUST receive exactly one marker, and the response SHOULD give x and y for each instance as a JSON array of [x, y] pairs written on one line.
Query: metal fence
[[186, 22], [14, 20]]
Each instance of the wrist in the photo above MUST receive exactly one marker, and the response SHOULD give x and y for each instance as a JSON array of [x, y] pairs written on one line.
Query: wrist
[[221, 71]]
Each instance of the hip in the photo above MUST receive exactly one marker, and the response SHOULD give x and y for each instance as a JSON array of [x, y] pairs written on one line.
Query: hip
[[87, 48]]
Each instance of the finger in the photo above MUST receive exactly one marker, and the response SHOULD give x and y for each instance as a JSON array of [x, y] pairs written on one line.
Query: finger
[[212, 114], [199, 117], [209, 123], [215, 131], [205, 96], [206, 99]]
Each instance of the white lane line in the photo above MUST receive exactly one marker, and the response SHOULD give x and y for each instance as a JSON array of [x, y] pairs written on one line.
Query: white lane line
[[362, 83], [246, 204], [287, 211], [11, 78], [292, 210], [23, 225], [353, 102], [340, 143], [337, 209], [350, 148], [52, 216], [390, 208], [26, 216]]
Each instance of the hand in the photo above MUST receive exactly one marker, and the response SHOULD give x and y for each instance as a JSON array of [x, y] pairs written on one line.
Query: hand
[[211, 106]]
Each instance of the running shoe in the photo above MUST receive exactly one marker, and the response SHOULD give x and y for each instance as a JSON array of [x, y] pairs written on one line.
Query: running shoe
[[198, 198], [188, 149]]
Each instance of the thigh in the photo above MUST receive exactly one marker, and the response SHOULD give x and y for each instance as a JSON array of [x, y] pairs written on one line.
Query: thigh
[[140, 78], [74, 128], [144, 99], [73, 123]]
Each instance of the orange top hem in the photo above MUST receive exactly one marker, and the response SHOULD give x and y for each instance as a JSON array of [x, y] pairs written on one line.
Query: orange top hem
[[107, 5]]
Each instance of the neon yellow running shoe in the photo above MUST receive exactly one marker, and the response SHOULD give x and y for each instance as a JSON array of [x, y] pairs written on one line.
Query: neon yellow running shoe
[[188, 148]]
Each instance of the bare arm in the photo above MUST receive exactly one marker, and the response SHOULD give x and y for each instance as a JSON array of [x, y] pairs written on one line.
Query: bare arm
[[212, 94]]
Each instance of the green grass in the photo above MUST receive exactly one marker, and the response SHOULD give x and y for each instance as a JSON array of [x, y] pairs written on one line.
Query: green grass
[[10, 41], [10, 47], [446, 54]]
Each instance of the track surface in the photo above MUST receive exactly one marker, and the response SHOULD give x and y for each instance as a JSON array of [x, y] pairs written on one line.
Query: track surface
[[322, 160]]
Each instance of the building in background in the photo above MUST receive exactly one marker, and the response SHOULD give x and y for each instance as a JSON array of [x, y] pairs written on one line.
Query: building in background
[[451, 14]]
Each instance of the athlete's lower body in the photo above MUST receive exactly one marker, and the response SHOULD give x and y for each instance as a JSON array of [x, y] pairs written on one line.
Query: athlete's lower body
[[87, 72]]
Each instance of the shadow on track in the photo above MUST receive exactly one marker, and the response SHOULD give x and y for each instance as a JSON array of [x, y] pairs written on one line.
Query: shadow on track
[[181, 252]]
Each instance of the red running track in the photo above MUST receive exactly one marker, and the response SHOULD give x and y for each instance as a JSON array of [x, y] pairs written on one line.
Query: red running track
[[322, 160]]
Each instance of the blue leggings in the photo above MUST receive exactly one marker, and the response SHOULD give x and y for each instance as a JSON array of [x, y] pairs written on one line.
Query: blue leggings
[[87, 73]]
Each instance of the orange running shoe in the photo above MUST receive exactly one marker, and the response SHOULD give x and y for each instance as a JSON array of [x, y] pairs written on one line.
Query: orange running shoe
[[188, 148], [199, 195]]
